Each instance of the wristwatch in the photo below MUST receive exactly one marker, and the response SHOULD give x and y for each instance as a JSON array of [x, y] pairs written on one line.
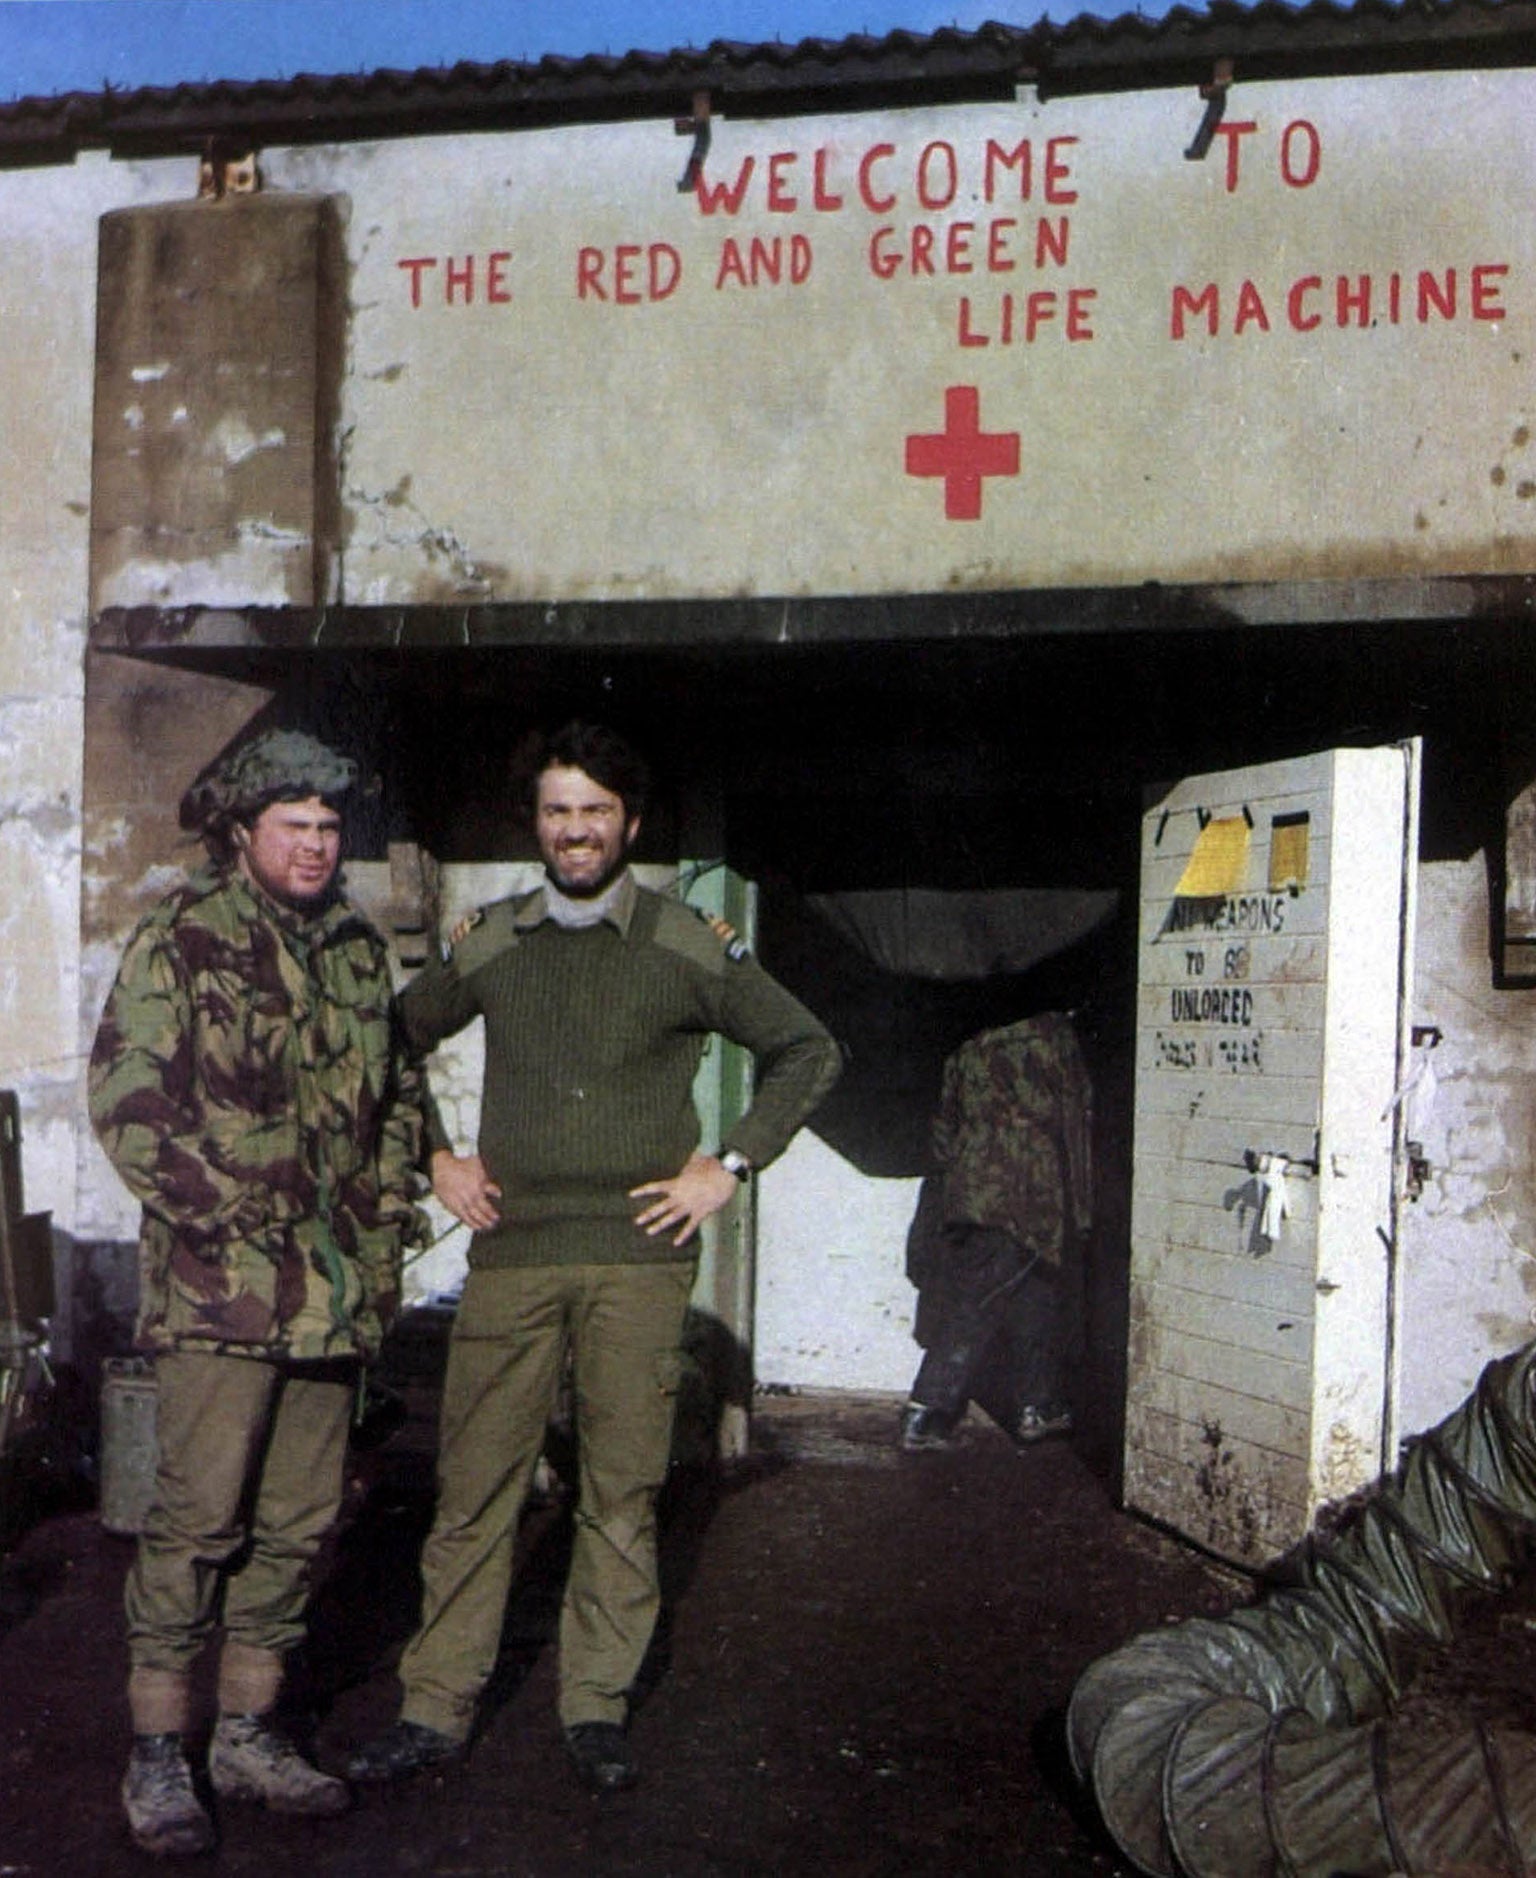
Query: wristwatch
[[736, 1164]]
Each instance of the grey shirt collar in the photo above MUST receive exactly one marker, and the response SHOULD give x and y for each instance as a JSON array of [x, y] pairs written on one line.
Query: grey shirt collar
[[616, 905]]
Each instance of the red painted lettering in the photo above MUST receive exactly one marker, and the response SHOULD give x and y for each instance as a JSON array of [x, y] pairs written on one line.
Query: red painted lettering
[[1051, 241], [1486, 301], [1352, 297], [877, 153], [999, 255], [625, 291], [1301, 154], [769, 260], [1432, 294], [664, 269], [456, 278], [935, 176], [497, 288], [780, 201], [821, 196], [884, 260], [732, 267], [1250, 309], [1301, 320], [1232, 132], [589, 274], [938, 160], [1360, 302], [1188, 306], [929, 248], [1037, 310], [1020, 158], [713, 196], [415, 267], [1040, 310], [632, 282], [1058, 171]]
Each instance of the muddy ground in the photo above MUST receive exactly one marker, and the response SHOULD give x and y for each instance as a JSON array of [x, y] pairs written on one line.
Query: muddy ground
[[863, 1671]]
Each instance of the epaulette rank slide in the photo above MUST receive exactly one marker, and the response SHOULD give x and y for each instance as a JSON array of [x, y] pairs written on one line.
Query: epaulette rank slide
[[456, 938], [726, 933]]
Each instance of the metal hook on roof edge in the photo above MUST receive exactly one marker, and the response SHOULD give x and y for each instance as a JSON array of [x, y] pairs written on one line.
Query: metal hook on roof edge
[[1215, 95], [696, 127]]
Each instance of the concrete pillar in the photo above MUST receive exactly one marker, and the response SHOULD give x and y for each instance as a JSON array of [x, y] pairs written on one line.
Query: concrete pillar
[[220, 336]]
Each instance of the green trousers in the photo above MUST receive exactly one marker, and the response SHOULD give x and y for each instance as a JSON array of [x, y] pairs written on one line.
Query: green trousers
[[248, 1481], [623, 1327]]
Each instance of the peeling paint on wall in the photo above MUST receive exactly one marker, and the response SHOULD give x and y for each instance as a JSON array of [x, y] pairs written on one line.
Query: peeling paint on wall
[[218, 357], [1468, 1259]]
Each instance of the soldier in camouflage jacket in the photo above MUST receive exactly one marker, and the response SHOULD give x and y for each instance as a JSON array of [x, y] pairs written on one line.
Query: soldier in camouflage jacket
[[1013, 1135], [1006, 1208], [244, 1086], [247, 1086]]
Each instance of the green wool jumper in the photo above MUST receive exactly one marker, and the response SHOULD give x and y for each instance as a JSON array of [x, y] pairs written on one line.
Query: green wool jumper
[[592, 1038]]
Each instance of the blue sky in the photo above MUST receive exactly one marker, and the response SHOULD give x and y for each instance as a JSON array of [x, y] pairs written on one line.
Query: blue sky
[[80, 45]]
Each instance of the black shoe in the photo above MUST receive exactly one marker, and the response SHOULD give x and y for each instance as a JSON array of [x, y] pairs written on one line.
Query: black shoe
[[404, 1748], [602, 1756], [1037, 1424], [924, 1428]]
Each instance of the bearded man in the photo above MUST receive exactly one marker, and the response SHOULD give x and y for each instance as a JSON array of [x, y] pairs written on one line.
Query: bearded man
[[585, 1195]]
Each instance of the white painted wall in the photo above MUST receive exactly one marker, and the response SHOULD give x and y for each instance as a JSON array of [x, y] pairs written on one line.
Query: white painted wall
[[834, 1308], [1468, 1266], [938, 291], [47, 332]]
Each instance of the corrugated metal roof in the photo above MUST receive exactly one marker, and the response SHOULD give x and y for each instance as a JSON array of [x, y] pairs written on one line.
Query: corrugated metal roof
[[779, 78]]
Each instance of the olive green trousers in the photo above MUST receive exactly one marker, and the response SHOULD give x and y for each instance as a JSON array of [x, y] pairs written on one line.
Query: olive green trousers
[[622, 1325], [248, 1481]]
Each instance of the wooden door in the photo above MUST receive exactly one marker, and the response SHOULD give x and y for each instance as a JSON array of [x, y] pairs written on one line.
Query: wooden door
[[1276, 923]]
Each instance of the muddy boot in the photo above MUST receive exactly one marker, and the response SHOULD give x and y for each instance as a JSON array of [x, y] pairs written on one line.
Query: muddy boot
[[165, 1815], [250, 1760]]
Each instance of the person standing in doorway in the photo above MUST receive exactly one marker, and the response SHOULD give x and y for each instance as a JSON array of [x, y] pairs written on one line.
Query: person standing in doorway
[[585, 1196], [995, 1247], [247, 1085]]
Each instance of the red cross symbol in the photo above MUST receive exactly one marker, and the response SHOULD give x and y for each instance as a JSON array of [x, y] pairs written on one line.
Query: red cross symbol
[[962, 453]]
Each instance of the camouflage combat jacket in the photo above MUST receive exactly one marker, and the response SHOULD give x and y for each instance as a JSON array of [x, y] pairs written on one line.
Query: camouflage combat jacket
[[247, 1085], [1013, 1135]]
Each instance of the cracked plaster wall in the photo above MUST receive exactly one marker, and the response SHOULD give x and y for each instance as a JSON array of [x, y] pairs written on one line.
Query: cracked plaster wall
[[47, 301], [1468, 1247], [51, 849]]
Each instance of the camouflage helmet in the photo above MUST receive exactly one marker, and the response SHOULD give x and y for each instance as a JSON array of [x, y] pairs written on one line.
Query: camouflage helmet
[[279, 765]]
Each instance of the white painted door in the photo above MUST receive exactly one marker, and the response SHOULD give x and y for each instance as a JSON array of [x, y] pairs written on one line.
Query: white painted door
[[1276, 925]]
